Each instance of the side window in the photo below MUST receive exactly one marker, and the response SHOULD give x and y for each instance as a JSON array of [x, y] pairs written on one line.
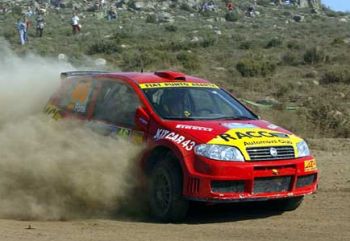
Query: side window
[[116, 103], [77, 96]]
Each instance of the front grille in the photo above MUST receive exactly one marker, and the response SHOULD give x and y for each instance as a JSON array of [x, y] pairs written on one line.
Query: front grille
[[227, 186], [272, 184], [306, 180], [264, 153]]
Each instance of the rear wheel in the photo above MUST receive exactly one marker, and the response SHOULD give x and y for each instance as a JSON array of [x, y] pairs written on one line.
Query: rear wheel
[[165, 192], [286, 204]]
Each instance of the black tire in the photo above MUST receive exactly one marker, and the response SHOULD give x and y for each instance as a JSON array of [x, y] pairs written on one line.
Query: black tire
[[165, 191], [286, 204]]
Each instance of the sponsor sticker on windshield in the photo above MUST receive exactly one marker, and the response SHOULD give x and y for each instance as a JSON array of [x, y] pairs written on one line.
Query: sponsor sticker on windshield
[[177, 84]]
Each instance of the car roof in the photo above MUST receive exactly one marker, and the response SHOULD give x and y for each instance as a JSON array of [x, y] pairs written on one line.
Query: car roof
[[140, 77]]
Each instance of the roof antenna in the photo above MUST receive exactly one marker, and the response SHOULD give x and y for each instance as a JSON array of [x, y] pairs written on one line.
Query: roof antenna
[[141, 60], [141, 63]]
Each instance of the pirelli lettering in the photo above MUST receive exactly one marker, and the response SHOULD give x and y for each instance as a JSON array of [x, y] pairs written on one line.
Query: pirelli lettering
[[177, 84]]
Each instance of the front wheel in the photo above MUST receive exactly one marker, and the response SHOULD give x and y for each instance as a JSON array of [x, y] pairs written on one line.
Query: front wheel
[[165, 192]]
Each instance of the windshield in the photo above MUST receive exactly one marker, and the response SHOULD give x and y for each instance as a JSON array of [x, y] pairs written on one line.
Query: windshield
[[196, 104]]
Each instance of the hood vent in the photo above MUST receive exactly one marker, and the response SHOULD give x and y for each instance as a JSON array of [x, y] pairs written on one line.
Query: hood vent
[[171, 75]]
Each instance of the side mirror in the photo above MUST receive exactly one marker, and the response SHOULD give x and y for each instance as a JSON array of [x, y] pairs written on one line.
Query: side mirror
[[142, 119]]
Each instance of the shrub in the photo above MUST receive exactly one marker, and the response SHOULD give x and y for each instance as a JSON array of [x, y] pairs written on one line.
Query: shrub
[[151, 18], [253, 67], [188, 60], [186, 7], [171, 28], [104, 47], [247, 45], [275, 42], [336, 75], [315, 55], [328, 117], [291, 58], [293, 45], [138, 59], [232, 16], [338, 41]]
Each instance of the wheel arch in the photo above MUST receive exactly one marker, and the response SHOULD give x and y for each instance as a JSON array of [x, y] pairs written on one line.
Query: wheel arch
[[157, 154]]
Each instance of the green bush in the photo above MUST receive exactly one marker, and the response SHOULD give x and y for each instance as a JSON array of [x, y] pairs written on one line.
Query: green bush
[[315, 55], [336, 75], [328, 117], [151, 18], [338, 41], [255, 66], [291, 58], [171, 28], [293, 45], [104, 47], [247, 45], [275, 42], [188, 60], [232, 16], [186, 7]]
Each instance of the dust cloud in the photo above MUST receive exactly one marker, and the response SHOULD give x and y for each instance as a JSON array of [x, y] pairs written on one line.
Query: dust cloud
[[54, 170]]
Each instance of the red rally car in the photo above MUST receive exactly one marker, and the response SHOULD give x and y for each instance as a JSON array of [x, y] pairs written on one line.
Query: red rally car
[[202, 143]]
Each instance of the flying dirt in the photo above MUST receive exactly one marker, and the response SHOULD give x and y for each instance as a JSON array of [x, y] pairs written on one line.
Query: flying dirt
[[53, 170]]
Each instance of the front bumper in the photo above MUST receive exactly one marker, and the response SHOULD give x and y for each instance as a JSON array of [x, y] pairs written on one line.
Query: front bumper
[[217, 181]]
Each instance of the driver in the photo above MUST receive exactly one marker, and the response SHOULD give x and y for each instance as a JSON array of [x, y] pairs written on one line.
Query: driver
[[172, 103]]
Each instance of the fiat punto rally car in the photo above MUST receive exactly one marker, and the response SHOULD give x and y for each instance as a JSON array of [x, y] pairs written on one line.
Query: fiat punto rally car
[[202, 143]]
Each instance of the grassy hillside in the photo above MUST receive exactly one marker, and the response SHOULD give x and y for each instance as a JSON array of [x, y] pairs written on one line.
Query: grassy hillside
[[300, 69]]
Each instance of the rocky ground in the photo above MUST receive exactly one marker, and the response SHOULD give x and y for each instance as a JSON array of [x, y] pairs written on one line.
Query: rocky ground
[[323, 216]]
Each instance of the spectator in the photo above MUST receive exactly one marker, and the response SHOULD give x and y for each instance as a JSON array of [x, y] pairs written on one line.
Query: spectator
[[28, 24], [230, 6], [75, 24], [22, 29], [40, 23], [29, 12], [111, 14]]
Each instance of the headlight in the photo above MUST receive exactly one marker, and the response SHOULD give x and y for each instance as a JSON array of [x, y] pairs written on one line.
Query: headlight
[[303, 149], [219, 152]]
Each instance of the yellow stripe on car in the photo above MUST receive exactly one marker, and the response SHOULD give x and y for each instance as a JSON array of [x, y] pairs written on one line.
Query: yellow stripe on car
[[177, 84]]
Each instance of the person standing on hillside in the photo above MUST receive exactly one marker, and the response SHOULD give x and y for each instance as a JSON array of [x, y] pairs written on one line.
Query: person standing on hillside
[[22, 30], [40, 23], [75, 23]]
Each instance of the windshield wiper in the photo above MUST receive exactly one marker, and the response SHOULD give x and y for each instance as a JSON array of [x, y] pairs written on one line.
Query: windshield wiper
[[234, 118], [179, 118]]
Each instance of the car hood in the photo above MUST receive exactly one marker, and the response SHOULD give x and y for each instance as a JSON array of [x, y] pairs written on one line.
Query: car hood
[[241, 134]]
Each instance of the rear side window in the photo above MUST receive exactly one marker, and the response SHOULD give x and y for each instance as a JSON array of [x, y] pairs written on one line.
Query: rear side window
[[77, 96], [116, 103]]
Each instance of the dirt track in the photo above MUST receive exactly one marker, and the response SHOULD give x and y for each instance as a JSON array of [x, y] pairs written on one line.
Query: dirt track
[[323, 216]]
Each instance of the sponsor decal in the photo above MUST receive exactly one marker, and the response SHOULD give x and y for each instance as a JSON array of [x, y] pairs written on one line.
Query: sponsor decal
[[177, 84], [310, 165], [272, 126], [255, 137], [237, 125], [195, 128], [237, 135], [175, 137], [53, 111]]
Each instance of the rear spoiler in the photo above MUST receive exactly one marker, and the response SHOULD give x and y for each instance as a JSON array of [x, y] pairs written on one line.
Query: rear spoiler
[[81, 73]]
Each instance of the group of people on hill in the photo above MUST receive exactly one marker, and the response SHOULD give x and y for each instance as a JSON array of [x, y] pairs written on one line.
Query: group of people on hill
[[23, 25]]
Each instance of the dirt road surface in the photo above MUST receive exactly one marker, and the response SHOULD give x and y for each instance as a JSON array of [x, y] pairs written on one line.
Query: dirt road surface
[[323, 216]]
